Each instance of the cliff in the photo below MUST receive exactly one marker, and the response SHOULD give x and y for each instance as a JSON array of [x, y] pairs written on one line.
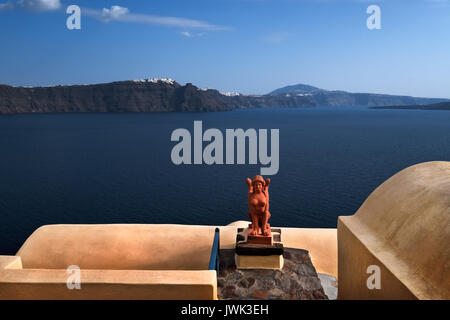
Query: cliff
[[123, 96], [166, 95]]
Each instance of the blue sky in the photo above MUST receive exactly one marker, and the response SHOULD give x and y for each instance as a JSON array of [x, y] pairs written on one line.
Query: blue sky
[[249, 46]]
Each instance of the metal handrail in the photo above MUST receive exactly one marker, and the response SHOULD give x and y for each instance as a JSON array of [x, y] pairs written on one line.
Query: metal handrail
[[215, 252]]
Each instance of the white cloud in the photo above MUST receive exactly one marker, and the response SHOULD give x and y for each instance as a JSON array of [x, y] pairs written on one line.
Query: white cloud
[[40, 5], [114, 13], [187, 34], [121, 14], [6, 6]]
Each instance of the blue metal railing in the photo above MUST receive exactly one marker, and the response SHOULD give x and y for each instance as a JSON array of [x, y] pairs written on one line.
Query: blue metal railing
[[215, 252]]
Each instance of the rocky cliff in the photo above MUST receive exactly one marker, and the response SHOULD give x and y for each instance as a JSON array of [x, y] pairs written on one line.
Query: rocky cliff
[[124, 96]]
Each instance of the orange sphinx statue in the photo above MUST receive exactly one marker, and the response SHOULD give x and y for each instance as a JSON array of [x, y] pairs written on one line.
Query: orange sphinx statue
[[258, 203]]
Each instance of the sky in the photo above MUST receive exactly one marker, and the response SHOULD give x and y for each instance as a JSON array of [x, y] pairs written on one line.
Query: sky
[[246, 46]]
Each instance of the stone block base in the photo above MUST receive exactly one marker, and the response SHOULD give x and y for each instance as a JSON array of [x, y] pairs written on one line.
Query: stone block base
[[250, 255]]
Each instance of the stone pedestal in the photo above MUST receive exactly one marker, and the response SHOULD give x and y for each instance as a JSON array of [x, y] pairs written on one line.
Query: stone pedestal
[[264, 254]]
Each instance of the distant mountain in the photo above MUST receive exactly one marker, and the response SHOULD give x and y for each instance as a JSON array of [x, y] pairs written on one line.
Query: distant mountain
[[321, 97], [298, 89], [166, 95]]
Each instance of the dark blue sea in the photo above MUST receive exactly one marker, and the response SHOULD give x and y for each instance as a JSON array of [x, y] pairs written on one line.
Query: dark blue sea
[[116, 168]]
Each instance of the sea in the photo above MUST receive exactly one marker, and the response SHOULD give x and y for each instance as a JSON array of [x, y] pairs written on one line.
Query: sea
[[117, 167]]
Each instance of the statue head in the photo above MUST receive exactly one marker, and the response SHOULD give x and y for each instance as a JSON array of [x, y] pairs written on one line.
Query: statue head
[[258, 183]]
